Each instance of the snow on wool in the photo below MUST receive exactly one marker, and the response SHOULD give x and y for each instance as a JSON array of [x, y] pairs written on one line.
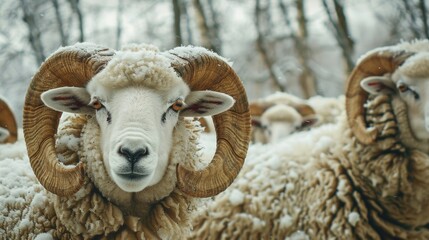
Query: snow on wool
[[329, 184]]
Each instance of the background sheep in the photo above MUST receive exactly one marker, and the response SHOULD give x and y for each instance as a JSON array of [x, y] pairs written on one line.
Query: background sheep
[[8, 125], [363, 178], [137, 94], [278, 115]]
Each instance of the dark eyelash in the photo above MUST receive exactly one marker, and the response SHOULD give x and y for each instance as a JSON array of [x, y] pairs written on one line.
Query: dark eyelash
[[164, 117], [109, 117], [416, 95]]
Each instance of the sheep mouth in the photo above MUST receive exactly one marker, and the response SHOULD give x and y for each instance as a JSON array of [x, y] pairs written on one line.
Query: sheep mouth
[[133, 176]]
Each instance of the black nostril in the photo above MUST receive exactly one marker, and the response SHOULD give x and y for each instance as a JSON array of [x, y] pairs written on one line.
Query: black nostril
[[133, 157], [140, 153]]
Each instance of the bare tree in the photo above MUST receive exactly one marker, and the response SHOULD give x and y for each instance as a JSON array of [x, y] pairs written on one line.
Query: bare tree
[[188, 26], [119, 10], [260, 14], [215, 28], [60, 24], [208, 34], [34, 34], [423, 10], [306, 79], [338, 22], [410, 13], [177, 23], [76, 9]]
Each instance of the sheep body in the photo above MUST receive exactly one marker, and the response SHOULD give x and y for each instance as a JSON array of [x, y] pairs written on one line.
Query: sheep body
[[129, 185], [328, 184], [281, 114], [89, 214], [321, 190]]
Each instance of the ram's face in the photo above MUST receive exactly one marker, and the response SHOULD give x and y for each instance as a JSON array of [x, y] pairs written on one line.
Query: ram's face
[[411, 90], [414, 92], [136, 126]]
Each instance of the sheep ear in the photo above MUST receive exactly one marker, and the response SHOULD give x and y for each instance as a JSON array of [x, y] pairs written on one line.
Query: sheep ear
[[68, 99], [378, 85], [206, 103]]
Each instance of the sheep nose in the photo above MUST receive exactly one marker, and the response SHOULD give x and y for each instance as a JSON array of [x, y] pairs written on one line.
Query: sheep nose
[[135, 156]]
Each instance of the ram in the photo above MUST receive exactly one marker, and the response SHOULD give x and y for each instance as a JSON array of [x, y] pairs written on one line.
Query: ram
[[8, 125], [125, 166], [365, 177], [279, 115]]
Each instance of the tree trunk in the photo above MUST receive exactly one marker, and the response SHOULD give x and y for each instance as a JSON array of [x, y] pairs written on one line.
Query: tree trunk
[[423, 11], [34, 34], [260, 45], [202, 24], [341, 32], [177, 23], [76, 9], [306, 78], [59, 22], [215, 29], [189, 33], [119, 23]]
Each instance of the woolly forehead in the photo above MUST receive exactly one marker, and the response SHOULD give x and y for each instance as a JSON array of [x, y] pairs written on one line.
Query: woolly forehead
[[144, 68], [282, 113], [416, 66]]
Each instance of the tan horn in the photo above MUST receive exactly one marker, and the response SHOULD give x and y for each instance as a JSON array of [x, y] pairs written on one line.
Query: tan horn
[[7, 121], [377, 63], [69, 66], [203, 70]]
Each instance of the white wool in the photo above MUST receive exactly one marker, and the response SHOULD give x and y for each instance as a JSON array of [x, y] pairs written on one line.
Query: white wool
[[236, 197], [353, 218], [128, 68], [44, 236], [286, 221], [70, 141], [298, 235], [17, 150]]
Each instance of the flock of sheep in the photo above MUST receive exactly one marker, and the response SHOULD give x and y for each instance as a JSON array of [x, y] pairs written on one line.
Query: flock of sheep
[[125, 159]]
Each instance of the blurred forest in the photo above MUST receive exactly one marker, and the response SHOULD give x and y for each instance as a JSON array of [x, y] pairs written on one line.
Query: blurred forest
[[304, 47]]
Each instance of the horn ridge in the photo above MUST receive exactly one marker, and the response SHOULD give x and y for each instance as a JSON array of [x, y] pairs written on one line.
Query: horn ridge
[[376, 63], [204, 70], [68, 66]]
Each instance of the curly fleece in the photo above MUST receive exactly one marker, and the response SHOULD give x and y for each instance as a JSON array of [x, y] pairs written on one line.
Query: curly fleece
[[321, 188]]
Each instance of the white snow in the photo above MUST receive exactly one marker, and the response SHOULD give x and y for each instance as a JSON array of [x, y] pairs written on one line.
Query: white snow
[[44, 236], [236, 197], [353, 218]]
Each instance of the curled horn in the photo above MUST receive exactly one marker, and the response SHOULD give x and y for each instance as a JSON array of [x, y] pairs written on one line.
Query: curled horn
[[7, 121], [203, 70], [374, 64], [69, 66]]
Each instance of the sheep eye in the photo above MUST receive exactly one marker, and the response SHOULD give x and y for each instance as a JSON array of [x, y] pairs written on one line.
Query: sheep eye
[[177, 105], [403, 87], [96, 104]]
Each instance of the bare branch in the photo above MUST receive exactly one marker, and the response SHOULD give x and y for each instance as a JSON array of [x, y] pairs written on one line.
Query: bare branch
[[423, 11], [341, 33], [34, 34], [59, 22], [177, 23], [260, 44], [119, 11], [76, 9], [413, 18]]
